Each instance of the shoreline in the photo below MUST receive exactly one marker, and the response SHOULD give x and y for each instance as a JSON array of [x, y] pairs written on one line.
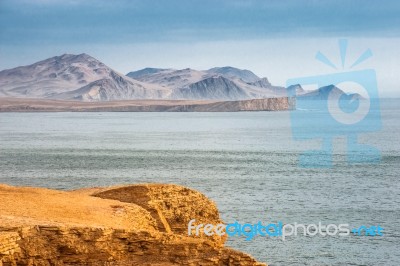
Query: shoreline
[[45, 105]]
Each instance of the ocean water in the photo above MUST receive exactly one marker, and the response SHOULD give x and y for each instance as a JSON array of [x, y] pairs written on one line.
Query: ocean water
[[246, 162]]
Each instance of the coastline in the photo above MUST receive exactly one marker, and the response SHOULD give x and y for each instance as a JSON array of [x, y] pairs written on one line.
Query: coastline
[[45, 105], [143, 224]]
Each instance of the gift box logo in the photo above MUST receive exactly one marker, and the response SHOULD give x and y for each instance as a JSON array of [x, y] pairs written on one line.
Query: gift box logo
[[329, 113]]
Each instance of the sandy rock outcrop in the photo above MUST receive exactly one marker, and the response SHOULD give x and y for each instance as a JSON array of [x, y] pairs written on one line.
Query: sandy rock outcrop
[[126, 225]]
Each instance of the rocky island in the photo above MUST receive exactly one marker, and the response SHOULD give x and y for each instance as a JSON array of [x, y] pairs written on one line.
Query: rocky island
[[124, 225]]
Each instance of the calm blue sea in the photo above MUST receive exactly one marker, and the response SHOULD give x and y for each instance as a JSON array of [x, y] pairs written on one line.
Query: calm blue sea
[[246, 162]]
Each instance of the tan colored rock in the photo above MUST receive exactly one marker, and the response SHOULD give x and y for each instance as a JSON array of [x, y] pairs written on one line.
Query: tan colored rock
[[126, 225]]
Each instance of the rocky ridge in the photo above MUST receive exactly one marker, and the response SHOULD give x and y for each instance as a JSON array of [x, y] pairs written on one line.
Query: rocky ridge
[[84, 78], [126, 225]]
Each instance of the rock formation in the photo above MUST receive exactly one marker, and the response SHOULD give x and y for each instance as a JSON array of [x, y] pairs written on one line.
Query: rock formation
[[127, 225], [39, 105]]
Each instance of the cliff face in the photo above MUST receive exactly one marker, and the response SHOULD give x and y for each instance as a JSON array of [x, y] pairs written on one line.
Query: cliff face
[[37, 105], [128, 225]]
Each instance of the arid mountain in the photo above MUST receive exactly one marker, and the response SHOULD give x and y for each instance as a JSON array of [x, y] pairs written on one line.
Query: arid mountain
[[222, 83], [170, 78], [84, 78], [52, 76], [215, 87], [249, 78], [78, 77], [144, 72], [235, 73], [115, 87], [329, 92]]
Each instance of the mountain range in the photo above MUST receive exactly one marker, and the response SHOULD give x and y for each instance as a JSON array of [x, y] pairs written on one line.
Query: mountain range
[[84, 78]]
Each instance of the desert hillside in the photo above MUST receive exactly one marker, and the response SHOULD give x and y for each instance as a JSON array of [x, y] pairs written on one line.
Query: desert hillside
[[84, 78]]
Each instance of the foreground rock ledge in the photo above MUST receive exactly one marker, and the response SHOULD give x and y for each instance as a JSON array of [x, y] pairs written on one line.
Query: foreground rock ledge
[[127, 225]]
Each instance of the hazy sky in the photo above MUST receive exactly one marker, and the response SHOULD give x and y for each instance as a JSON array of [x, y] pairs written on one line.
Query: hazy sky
[[277, 39]]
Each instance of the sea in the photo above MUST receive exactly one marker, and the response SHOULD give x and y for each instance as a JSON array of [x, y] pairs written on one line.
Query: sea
[[246, 162]]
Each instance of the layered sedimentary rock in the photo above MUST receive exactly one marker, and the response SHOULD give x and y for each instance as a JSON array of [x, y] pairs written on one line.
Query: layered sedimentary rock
[[127, 225]]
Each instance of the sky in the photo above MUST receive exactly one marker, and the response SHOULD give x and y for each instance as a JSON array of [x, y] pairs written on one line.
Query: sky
[[277, 39]]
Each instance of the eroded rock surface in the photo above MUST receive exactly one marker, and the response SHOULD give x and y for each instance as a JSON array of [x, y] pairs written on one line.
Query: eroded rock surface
[[126, 225]]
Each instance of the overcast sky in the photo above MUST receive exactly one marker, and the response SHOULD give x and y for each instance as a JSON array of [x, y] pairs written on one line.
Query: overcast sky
[[277, 39]]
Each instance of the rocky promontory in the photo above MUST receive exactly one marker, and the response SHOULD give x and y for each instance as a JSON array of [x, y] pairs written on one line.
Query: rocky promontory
[[126, 225]]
